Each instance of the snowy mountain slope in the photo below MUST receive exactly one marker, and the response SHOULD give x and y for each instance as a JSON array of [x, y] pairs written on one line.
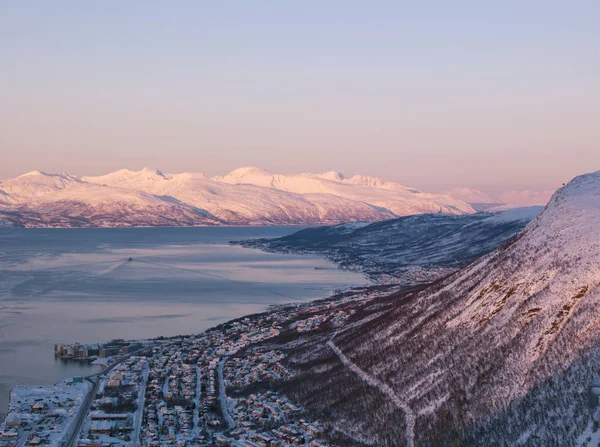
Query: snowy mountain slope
[[40, 199], [34, 185], [243, 203], [149, 197], [400, 200], [499, 353], [412, 249]]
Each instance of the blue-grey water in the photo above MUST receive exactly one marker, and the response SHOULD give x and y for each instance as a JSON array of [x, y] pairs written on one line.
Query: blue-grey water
[[78, 285]]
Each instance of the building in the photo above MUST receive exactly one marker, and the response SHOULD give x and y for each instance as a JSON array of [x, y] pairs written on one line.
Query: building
[[132, 348], [12, 420], [108, 351]]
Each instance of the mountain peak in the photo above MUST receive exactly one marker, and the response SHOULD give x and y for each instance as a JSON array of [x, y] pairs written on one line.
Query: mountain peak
[[583, 192], [246, 170], [32, 174], [366, 180], [247, 174], [152, 171], [333, 175], [40, 176]]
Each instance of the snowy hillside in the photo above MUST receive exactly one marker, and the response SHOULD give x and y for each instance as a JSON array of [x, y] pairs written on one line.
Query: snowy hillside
[[499, 353], [247, 196], [38, 199], [398, 199], [411, 250]]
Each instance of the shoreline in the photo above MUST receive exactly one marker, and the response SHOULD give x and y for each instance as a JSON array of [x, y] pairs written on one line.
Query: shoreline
[[196, 306], [271, 308], [218, 369]]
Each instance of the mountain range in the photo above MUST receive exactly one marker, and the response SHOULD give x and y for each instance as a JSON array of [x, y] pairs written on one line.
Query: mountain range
[[500, 352], [246, 196]]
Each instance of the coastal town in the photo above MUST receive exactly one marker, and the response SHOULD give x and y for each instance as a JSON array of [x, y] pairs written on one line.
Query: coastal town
[[216, 388]]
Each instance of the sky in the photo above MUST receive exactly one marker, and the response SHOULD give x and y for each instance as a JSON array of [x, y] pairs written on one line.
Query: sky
[[432, 94]]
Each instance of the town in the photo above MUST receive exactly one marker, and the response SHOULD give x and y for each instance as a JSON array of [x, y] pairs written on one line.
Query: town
[[211, 389]]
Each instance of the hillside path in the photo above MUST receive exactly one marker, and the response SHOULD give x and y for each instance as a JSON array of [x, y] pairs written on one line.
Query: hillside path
[[370, 380]]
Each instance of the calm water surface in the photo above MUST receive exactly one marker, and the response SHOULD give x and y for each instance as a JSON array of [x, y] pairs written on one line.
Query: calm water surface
[[76, 285]]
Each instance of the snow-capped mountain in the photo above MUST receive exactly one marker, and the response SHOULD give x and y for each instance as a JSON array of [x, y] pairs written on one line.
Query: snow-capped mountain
[[499, 353], [245, 196], [38, 199], [398, 199]]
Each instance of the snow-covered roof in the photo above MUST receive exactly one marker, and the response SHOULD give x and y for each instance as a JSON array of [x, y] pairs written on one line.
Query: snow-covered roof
[[12, 418]]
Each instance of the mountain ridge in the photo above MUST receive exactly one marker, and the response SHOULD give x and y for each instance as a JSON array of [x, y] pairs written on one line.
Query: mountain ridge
[[246, 196]]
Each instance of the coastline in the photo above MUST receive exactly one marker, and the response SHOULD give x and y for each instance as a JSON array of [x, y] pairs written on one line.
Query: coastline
[[137, 300], [269, 309]]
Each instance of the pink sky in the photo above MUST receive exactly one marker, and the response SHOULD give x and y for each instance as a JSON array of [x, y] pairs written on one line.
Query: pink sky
[[433, 96]]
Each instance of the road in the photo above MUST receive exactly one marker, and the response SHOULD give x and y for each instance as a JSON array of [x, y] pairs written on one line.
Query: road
[[223, 395], [92, 378], [197, 401], [139, 414]]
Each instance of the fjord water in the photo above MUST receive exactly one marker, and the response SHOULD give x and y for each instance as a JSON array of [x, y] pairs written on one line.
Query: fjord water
[[79, 285]]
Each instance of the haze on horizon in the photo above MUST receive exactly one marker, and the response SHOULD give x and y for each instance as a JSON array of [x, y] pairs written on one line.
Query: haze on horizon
[[434, 95]]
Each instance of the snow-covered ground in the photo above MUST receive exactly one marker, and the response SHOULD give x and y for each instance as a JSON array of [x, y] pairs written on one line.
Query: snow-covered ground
[[46, 414]]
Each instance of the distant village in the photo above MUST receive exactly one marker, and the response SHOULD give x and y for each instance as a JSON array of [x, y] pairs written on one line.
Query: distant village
[[210, 389]]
